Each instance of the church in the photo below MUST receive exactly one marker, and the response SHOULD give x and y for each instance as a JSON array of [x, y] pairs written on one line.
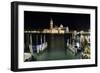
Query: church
[[56, 29]]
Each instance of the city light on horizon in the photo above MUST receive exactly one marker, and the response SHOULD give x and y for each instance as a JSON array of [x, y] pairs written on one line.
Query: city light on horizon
[[41, 20]]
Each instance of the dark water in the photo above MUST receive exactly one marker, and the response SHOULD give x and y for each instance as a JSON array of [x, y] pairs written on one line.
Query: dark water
[[56, 49]]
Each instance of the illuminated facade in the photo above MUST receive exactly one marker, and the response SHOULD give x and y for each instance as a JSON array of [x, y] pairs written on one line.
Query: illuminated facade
[[54, 29]]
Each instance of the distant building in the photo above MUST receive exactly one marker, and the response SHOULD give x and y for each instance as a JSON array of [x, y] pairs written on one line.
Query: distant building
[[55, 29], [51, 24], [66, 29]]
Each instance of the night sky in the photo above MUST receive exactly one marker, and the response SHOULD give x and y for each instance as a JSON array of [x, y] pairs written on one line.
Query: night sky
[[41, 20]]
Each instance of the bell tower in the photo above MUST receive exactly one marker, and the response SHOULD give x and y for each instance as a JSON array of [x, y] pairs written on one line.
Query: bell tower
[[51, 23]]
